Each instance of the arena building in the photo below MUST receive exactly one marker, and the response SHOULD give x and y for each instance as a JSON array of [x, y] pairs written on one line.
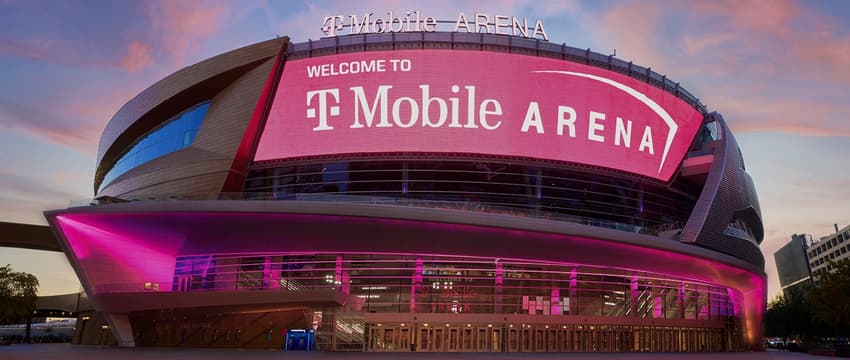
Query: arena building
[[422, 191]]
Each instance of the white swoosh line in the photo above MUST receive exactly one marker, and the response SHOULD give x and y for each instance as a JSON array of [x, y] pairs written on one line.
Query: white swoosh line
[[637, 95]]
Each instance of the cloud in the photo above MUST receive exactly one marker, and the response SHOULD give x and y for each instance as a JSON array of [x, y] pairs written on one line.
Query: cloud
[[63, 52], [824, 189], [68, 35], [765, 65], [760, 16], [798, 35], [36, 51], [73, 120], [25, 188], [148, 40], [633, 29], [182, 25], [756, 112], [138, 57]]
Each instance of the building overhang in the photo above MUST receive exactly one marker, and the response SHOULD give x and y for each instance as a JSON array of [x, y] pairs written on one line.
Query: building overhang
[[117, 248]]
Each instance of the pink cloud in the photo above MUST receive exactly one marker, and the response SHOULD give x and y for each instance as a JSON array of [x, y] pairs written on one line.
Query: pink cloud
[[73, 121], [30, 50], [53, 51], [695, 45], [632, 28], [762, 16], [783, 27], [824, 52], [138, 57], [77, 114], [757, 63], [183, 24], [795, 116]]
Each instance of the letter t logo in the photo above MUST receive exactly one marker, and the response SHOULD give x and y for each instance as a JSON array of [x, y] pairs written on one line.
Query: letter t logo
[[332, 24], [323, 107]]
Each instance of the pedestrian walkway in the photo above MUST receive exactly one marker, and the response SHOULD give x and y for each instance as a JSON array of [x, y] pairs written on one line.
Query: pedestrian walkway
[[75, 352]]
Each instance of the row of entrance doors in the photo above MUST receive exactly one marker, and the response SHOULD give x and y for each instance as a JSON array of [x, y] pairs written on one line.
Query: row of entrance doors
[[527, 338]]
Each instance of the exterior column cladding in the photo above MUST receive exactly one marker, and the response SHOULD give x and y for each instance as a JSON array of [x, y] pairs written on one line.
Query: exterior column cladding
[[121, 329], [728, 190]]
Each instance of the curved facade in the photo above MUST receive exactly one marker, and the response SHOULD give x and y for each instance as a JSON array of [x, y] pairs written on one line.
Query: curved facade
[[420, 192]]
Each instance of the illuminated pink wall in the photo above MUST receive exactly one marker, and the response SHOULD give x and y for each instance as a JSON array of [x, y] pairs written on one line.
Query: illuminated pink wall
[[477, 102], [120, 258]]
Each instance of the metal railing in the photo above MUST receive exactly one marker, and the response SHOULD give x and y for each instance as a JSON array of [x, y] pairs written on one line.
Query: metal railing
[[529, 211], [490, 42]]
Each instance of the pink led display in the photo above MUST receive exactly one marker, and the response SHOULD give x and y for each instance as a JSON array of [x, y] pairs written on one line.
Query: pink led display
[[456, 101]]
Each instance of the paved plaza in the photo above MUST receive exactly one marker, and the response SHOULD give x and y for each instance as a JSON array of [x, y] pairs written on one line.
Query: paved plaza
[[74, 352]]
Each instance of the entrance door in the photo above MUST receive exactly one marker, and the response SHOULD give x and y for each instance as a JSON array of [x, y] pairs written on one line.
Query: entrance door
[[496, 339], [375, 339], [483, 340], [552, 340], [403, 339], [388, 339], [453, 341], [384, 338], [438, 340], [539, 340], [525, 340], [424, 340], [468, 343], [513, 340]]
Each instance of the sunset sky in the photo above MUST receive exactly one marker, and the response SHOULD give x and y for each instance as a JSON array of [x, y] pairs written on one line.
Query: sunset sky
[[778, 71]]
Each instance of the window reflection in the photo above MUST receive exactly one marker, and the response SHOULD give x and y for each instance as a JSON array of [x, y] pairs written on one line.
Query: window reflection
[[567, 194], [175, 134]]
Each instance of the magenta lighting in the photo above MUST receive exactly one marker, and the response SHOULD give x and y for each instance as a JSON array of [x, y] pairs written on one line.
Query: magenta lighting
[[419, 191]]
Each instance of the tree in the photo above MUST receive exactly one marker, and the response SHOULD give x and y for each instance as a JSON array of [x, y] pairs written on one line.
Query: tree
[[789, 315], [17, 295], [831, 298]]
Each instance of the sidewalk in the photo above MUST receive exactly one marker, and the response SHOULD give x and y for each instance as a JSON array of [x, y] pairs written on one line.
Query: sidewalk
[[77, 352]]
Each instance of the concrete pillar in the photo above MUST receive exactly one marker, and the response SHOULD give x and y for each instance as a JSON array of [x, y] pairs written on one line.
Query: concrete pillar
[[497, 295], [120, 326], [271, 272], [416, 283], [634, 296], [572, 306]]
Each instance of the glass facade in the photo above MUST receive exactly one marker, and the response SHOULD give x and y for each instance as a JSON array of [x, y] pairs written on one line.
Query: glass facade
[[566, 194], [435, 284], [175, 134], [449, 303]]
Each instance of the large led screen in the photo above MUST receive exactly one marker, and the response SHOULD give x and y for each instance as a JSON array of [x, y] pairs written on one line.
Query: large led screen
[[461, 101]]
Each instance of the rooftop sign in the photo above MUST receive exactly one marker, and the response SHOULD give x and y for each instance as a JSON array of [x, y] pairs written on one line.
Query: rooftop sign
[[457, 101], [415, 21]]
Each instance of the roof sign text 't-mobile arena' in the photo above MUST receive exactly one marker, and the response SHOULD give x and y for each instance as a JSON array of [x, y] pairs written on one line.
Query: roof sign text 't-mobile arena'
[[414, 21]]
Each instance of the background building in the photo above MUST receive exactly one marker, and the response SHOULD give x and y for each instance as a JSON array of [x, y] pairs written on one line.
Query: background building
[[792, 263], [420, 191], [829, 248]]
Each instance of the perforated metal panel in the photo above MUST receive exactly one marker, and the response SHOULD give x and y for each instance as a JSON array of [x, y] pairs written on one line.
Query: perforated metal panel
[[728, 194]]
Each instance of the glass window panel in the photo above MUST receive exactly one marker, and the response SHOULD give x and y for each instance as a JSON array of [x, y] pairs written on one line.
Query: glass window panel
[[174, 135]]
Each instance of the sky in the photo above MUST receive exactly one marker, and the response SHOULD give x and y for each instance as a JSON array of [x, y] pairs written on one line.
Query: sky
[[777, 70]]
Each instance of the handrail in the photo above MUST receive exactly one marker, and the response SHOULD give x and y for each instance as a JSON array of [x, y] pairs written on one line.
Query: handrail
[[520, 45], [471, 206]]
